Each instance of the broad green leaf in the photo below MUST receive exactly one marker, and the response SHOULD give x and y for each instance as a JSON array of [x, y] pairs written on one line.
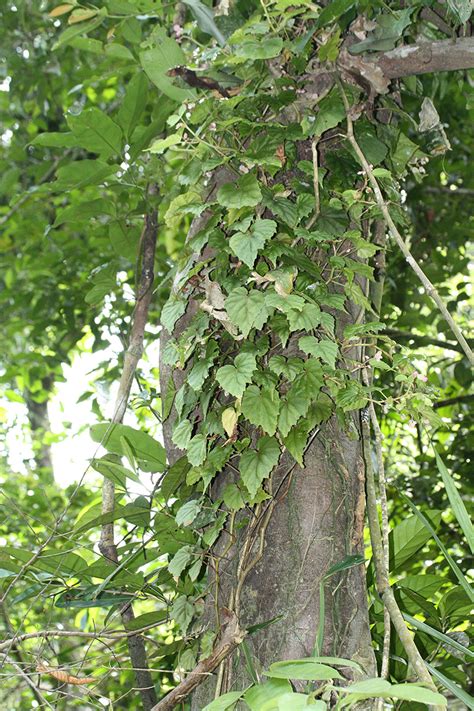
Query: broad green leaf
[[306, 319], [188, 512], [296, 440], [256, 465], [165, 55], [224, 702], [96, 132], [324, 349], [234, 378], [79, 173], [413, 692], [260, 406], [263, 697], [285, 304], [133, 104], [246, 309], [55, 140], [246, 245], [406, 538], [148, 618], [83, 211], [149, 453], [182, 434], [233, 497], [197, 449], [451, 562], [172, 311], [264, 48], [114, 471], [182, 611], [293, 406], [180, 560], [456, 502], [331, 112], [302, 669], [333, 11], [162, 144], [351, 397], [81, 28], [245, 192], [205, 20], [297, 702]]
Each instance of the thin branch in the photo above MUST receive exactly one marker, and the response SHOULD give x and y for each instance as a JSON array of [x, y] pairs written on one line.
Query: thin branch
[[231, 637], [428, 286], [39, 696], [51, 634], [317, 200], [453, 401], [420, 341], [132, 356], [382, 582]]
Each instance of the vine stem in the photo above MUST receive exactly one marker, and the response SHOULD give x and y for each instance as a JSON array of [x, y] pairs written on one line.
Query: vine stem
[[394, 232], [382, 581], [107, 546]]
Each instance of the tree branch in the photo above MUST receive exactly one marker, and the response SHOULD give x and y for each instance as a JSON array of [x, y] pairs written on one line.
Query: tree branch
[[420, 341], [453, 401], [107, 547], [425, 58], [232, 636]]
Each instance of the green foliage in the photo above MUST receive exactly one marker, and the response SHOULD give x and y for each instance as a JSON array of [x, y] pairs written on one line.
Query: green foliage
[[96, 110]]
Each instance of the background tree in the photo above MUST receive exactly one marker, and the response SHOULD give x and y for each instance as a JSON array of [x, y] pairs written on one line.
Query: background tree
[[271, 163]]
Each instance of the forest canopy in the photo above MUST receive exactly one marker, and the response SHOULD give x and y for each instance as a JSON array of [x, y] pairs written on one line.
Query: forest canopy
[[236, 291]]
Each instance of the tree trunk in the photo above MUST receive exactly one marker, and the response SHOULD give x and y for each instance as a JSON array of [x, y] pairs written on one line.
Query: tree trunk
[[314, 520], [38, 418]]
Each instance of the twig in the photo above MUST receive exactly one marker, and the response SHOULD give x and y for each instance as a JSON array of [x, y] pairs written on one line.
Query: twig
[[314, 150], [382, 582], [39, 696], [132, 356], [420, 341], [47, 634], [452, 401], [231, 637], [428, 286]]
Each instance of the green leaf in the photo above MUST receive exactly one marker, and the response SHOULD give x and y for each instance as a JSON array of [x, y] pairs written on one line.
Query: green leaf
[[456, 502], [333, 11], [197, 450], [182, 611], [180, 560], [114, 472], [260, 406], [298, 702], [81, 28], [182, 434], [407, 538], [436, 634], [245, 192], [246, 245], [331, 111], [256, 465], [188, 512], [293, 406], [296, 440], [325, 349], [412, 692], [172, 311], [96, 132], [264, 48], [162, 144], [452, 563], [79, 173], [263, 697], [205, 20], [233, 497], [456, 690], [149, 453], [234, 378], [302, 669], [165, 55], [226, 701], [133, 104], [246, 309], [55, 140], [306, 319]]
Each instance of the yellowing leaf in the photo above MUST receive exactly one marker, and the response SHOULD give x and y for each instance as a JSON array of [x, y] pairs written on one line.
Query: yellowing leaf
[[229, 421], [60, 10], [80, 16]]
